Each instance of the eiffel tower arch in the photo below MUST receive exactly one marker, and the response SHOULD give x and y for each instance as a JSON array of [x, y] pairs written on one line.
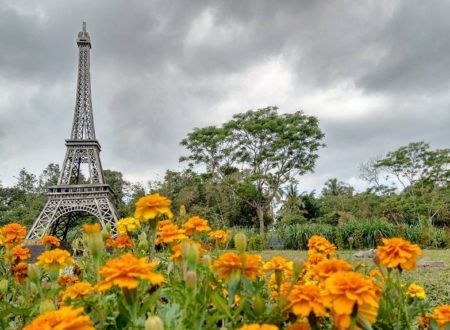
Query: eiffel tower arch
[[75, 196]]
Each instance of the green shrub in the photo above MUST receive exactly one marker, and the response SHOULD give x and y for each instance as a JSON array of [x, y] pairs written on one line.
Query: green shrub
[[364, 234]]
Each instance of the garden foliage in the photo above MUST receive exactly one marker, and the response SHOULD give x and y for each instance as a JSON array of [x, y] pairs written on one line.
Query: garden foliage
[[174, 272]]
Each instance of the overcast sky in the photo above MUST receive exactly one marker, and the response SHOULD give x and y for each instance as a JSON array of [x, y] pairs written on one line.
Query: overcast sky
[[375, 73]]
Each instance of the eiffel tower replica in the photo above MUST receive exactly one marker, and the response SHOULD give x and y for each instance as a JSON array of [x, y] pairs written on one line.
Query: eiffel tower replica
[[72, 197]]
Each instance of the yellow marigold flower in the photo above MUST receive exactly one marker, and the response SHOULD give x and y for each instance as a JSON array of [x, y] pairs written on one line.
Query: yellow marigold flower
[[314, 259], [92, 228], [177, 249], [278, 264], [50, 240], [127, 225], [256, 326], [326, 268], [77, 290], [19, 253], [320, 245], [65, 318], [304, 299], [396, 252], [344, 290], [152, 206], [416, 291], [220, 236], [247, 265], [126, 270], [20, 271], [55, 258], [170, 233], [66, 280], [442, 316], [13, 234], [299, 325], [196, 225]]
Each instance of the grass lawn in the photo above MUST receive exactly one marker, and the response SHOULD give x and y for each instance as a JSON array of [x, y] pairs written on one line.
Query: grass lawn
[[435, 280]]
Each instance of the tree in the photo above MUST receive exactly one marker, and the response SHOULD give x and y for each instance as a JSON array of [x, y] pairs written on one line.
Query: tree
[[423, 175], [272, 148], [26, 181], [49, 177]]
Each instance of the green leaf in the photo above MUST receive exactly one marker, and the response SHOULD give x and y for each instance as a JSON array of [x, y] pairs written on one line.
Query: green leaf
[[221, 304]]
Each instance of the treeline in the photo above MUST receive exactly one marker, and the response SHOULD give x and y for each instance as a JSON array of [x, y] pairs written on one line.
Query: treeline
[[247, 172]]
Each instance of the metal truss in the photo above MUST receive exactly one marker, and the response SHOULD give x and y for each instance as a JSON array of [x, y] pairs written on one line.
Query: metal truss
[[71, 198]]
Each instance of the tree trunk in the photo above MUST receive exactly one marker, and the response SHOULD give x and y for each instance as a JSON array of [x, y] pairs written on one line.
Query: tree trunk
[[260, 213]]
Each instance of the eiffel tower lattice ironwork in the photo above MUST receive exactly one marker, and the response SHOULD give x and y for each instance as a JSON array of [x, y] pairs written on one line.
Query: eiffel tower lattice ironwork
[[72, 197]]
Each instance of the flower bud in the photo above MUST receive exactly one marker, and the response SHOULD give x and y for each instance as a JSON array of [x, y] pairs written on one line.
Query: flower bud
[[34, 273], [191, 279], [182, 211], [298, 265], [143, 240], [154, 323], [259, 305], [3, 285], [207, 261], [46, 306], [240, 241], [191, 254]]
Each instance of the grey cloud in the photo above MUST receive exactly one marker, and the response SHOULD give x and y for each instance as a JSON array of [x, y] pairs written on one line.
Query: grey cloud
[[161, 68]]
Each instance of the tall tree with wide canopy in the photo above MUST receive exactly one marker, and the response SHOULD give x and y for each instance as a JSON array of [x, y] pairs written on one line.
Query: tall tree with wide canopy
[[272, 148]]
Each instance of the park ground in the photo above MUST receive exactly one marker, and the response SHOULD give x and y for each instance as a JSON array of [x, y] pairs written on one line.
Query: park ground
[[435, 280]]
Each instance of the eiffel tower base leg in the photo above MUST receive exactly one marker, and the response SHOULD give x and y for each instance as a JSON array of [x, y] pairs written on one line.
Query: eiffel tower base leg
[[62, 210]]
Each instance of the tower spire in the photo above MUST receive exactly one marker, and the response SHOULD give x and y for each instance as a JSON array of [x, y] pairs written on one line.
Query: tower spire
[[83, 120]]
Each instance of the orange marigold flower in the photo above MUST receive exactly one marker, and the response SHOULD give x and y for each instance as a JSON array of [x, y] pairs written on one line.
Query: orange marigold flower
[[123, 241], [396, 252], [299, 325], [314, 259], [20, 253], [416, 291], [344, 290], [65, 318], [13, 234], [66, 280], [20, 272], [220, 236], [162, 223], [152, 206], [126, 270], [196, 225], [251, 266], [170, 233], [177, 250], [50, 240], [227, 264], [442, 316], [55, 258], [247, 265], [326, 268], [92, 228], [304, 299], [278, 264], [127, 225], [319, 244], [120, 242], [256, 326], [77, 290]]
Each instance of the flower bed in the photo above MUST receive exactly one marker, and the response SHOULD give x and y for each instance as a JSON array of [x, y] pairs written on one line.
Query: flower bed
[[166, 272]]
